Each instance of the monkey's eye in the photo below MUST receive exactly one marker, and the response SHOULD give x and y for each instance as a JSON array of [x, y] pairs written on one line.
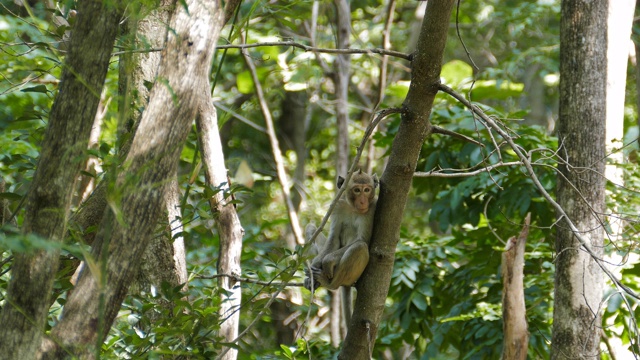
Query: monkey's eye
[[367, 190], [356, 190]]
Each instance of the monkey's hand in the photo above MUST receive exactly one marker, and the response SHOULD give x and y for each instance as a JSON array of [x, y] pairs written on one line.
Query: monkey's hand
[[317, 277]]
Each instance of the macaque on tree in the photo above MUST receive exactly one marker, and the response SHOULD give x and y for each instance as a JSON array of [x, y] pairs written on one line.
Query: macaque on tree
[[343, 256]]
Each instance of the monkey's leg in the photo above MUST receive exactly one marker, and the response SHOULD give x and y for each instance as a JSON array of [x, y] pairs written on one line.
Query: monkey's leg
[[351, 265]]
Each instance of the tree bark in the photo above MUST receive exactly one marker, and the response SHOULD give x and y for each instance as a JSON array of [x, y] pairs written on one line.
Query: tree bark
[[227, 221], [580, 192], [341, 80], [164, 260], [395, 182], [514, 312], [49, 198], [148, 169]]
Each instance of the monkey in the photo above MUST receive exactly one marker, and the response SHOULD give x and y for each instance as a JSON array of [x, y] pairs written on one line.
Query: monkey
[[344, 254]]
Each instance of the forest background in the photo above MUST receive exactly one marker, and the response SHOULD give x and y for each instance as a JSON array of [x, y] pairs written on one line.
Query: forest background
[[291, 116]]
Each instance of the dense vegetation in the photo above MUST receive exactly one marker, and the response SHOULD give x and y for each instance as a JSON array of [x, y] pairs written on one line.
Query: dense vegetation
[[445, 295]]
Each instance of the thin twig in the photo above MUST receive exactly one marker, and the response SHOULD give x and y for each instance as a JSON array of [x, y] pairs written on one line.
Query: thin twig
[[250, 281], [275, 148], [240, 117], [319, 50], [438, 130], [438, 173], [378, 51]]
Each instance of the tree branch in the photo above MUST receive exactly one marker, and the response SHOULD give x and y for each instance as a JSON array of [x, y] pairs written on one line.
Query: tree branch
[[320, 50], [438, 130], [463, 172], [235, 277], [306, 48]]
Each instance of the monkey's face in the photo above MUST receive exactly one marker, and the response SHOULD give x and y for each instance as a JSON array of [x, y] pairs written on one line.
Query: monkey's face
[[360, 197]]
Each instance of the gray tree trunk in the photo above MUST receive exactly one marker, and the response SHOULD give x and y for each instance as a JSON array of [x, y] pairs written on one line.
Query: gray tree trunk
[[395, 182], [580, 192], [49, 198], [150, 165], [341, 79]]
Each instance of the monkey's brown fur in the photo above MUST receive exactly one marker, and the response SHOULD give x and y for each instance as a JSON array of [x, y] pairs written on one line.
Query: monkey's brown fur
[[343, 256]]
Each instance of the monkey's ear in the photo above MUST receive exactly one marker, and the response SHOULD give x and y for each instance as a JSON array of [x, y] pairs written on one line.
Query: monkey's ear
[[340, 181], [375, 181]]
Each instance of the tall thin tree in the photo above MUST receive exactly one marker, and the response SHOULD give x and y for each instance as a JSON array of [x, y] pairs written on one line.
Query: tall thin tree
[[581, 184]]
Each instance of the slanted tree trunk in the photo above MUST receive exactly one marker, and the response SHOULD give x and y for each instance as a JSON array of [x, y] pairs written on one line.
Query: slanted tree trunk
[[47, 205], [514, 312], [395, 182], [580, 192], [152, 162], [165, 258]]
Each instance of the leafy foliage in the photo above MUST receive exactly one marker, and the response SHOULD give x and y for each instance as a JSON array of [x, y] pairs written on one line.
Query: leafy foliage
[[445, 295]]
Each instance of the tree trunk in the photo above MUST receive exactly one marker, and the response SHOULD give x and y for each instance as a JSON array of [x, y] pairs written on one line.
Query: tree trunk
[[395, 182], [341, 80], [514, 312], [49, 197], [227, 221], [164, 259], [580, 192], [149, 167]]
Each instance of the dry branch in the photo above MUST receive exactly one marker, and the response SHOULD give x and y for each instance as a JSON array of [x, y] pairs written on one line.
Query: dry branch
[[515, 333]]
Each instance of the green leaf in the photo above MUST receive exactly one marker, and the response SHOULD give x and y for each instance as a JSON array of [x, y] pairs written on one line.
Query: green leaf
[[244, 82], [456, 72], [491, 89], [287, 352], [419, 301], [10, 196], [398, 89], [37, 88]]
